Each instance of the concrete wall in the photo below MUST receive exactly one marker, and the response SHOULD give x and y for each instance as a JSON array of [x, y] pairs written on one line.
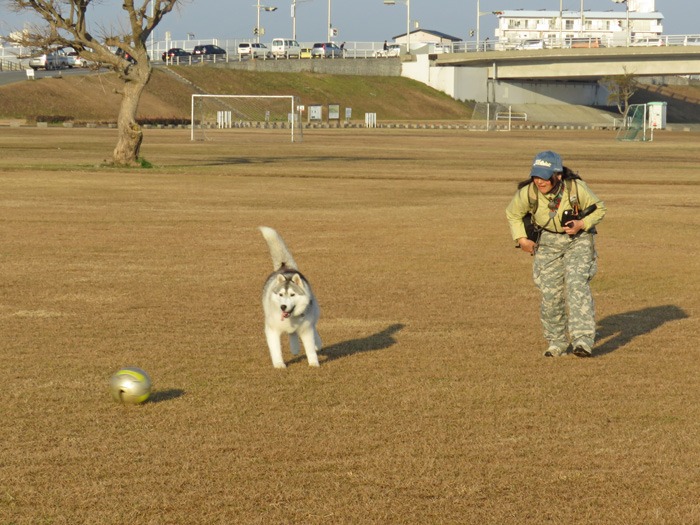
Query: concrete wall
[[472, 83], [548, 92], [385, 67]]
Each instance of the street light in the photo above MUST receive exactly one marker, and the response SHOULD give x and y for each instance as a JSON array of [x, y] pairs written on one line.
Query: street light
[[258, 29], [627, 5], [408, 22], [294, 17], [329, 31], [479, 14], [561, 21]]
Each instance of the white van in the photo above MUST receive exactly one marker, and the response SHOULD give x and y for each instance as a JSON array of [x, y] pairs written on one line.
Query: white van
[[285, 48], [253, 50]]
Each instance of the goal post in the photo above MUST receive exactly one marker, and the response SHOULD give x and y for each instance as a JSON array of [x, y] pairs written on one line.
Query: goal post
[[219, 112]]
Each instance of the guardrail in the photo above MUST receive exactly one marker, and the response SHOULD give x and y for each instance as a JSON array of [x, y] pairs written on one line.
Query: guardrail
[[582, 42], [11, 57], [7, 65]]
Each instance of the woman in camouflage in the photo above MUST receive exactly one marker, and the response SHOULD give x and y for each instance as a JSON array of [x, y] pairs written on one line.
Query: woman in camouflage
[[561, 213]]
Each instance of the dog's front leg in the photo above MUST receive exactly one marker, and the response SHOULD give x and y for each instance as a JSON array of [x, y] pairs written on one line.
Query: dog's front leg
[[274, 343], [309, 341]]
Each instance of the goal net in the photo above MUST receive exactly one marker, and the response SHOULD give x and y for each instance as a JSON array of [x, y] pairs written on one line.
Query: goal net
[[214, 114], [634, 124], [485, 114]]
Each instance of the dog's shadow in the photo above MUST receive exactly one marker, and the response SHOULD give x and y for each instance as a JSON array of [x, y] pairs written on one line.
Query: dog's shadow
[[622, 328], [379, 341]]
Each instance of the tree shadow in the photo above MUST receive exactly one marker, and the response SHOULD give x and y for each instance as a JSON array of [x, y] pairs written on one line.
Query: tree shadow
[[165, 395], [225, 161], [622, 328]]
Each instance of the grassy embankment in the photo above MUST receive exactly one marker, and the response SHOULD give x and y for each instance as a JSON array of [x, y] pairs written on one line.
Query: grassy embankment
[[93, 98]]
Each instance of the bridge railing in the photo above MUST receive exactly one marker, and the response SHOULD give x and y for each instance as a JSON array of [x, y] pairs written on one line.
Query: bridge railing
[[11, 57], [576, 42]]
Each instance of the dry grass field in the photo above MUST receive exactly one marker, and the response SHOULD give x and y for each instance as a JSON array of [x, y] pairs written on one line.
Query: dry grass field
[[432, 403]]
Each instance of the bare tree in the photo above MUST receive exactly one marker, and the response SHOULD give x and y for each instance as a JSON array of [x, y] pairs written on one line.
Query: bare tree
[[66, 25], [621, 89]]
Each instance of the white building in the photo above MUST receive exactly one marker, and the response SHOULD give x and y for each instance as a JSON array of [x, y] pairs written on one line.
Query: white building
[[427, 36], [556, 28]]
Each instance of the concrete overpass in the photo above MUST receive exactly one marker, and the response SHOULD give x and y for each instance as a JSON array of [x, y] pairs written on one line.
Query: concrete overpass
[[578, 64], [546, 76]]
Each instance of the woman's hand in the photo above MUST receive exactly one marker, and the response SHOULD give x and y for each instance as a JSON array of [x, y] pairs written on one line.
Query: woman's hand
[[573, 227], [527, 245]]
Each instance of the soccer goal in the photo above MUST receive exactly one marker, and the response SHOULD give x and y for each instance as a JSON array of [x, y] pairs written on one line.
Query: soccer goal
[[634, 124], [276, 113], [485, 115]]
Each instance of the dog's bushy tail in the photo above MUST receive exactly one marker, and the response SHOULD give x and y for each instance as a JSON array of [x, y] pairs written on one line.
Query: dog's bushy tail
[[278, 250]]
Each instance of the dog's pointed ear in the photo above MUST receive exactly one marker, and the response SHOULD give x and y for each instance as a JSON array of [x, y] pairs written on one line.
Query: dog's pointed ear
[[280, 279], [297, 280]]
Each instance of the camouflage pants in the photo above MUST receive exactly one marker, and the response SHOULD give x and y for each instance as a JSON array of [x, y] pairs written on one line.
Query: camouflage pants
[[562, 271]]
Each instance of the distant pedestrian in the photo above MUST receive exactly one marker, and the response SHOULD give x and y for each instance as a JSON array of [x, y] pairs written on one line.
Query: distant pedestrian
[[386, 46]]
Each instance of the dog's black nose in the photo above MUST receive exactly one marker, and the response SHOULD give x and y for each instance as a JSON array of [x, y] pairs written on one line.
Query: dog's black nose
[[283, 307]]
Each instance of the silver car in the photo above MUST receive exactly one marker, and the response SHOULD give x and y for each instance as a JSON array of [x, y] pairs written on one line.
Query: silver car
[[54, 60], [326, 50]]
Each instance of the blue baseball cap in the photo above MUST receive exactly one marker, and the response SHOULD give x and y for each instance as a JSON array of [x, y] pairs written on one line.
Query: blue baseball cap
[[546, 164]]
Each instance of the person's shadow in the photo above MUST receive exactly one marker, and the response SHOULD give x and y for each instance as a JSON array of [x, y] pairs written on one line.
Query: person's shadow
[[622, 328]]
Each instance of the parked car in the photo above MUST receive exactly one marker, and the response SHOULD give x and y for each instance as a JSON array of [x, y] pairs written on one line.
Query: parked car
[[175, 54], [56, 59], [305, 52], [125, 55], [326, 50], [285, 48], [443, 48], [209, 51], [392, 50], [254, 50], [648, 42], [530, 44], [75, 60], [583, 42]]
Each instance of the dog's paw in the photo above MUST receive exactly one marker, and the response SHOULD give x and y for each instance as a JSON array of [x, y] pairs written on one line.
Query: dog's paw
[[279, 366]]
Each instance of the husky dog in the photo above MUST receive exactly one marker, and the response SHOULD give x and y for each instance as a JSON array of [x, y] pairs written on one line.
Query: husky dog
[[289, 304]]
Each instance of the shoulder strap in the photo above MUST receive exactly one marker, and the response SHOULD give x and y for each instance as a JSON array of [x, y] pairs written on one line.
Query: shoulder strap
[[573, 196], [532, 200]]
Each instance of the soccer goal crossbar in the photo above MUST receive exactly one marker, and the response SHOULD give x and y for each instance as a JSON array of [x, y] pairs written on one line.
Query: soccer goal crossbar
[[245, 111]]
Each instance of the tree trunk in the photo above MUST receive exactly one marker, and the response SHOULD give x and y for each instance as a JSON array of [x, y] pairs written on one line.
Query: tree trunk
[[130, 134]]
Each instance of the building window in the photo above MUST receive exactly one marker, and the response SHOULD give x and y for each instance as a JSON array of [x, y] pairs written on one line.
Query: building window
[[569, 25]]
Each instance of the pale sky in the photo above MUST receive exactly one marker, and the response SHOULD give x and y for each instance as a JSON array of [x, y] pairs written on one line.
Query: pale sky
[[364, 20]]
